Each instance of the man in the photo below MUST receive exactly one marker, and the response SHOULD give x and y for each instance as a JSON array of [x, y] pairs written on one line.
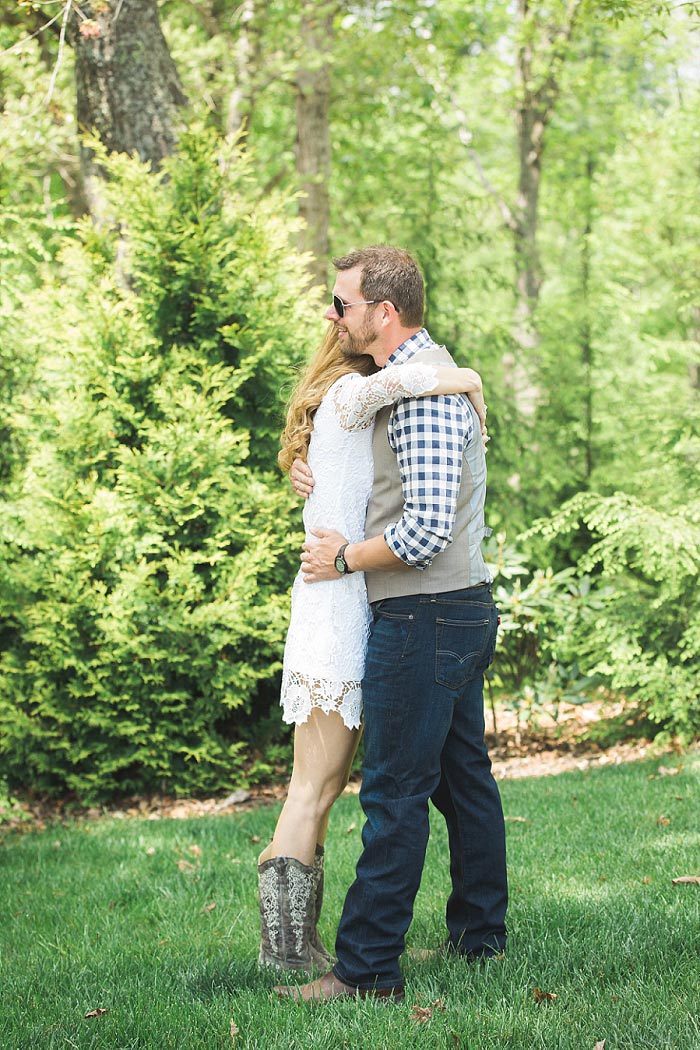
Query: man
[[433, 637]]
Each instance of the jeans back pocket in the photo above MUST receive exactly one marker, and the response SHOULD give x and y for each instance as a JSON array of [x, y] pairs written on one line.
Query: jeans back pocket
[[463, 648]]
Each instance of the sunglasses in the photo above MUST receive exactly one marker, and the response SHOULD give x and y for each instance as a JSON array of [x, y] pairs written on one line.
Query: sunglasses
[[340, 307]]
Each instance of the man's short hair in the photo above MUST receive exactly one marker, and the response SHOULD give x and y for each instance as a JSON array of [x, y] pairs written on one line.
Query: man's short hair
[[389, 273]]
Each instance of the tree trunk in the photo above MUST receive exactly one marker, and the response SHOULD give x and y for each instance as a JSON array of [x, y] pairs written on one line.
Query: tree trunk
[[694, 366], [530, 127], [587, 354], [546, 46], [528, 277], [247, 61], [128, 89], [313, 146]]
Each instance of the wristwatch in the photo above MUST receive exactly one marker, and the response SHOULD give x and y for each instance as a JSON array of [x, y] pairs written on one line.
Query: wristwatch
[[340, 563]]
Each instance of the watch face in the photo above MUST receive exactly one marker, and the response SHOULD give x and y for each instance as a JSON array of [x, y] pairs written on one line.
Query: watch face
[[340, 565]]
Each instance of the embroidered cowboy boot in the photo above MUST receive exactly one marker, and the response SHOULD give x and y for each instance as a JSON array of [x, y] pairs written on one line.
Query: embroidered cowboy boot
[[286, 889]]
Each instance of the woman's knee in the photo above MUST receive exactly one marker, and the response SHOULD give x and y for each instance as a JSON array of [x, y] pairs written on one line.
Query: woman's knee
[[316, 798]]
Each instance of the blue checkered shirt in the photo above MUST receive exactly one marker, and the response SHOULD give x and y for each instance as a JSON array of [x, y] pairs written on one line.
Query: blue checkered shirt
[[428, 436]]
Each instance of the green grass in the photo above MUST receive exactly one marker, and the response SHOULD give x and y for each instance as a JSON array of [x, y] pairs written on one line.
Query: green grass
[[104, 915]]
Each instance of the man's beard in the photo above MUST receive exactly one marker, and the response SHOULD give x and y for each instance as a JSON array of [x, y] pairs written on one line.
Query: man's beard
[[358, 345]]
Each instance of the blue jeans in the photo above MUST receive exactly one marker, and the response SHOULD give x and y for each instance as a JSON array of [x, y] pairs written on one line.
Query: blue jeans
[[423, 697]]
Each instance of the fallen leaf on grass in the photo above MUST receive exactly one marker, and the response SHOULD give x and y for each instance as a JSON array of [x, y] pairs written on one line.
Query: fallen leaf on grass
[[663, 821], [600, 1045], [233, 1031], [544, 997], [150, 852], [208, 907], [421, 1014], [195, 851], [97, 1013], [668, 771], [516, 820], [694, 880], [184, 865]]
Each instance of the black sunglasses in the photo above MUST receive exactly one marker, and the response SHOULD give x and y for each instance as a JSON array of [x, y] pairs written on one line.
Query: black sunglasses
[[340, 307]]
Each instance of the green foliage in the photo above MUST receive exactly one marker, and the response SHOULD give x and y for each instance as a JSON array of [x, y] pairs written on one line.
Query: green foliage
[[143, 533], [12, 812], [536, 667], [143, 601], [645, 636], [39, 188]]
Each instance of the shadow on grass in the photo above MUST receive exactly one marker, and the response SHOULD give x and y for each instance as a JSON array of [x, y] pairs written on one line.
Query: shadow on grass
[[227, 977]]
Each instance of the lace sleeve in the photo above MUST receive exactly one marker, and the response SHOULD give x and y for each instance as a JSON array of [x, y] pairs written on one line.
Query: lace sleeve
[[357, 399]]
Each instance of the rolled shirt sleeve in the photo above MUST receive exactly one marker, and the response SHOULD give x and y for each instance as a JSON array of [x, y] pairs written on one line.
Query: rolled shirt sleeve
[[428, 436]]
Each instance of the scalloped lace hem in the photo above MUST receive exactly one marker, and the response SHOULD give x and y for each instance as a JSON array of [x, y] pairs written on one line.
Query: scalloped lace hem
[[300, 694]]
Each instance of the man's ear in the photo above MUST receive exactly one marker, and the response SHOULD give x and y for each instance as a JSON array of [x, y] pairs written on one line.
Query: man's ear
[[389, 312]]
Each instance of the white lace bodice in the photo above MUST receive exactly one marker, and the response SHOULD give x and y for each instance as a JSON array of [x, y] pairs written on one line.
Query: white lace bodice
[[327, 638], [340, 451]]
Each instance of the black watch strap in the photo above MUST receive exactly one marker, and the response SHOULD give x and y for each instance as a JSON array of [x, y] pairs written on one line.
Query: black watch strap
[[341, 565]]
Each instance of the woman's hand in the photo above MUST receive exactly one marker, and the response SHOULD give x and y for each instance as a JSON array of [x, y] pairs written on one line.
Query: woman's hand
[[301, 478], [477, 399]]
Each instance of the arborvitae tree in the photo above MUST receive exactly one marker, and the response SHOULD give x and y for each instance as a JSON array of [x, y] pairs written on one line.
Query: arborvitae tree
[[143, 601]]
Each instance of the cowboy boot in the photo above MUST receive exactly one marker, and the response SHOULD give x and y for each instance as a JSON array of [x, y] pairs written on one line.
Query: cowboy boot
[[316, 941], [286, 891]]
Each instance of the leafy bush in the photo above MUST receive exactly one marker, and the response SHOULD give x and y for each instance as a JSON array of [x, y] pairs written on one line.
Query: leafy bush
[[645, 636], [536, 667], [146, 553]]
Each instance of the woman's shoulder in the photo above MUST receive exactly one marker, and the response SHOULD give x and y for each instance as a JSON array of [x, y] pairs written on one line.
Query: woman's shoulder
[[350, 379], [346, 390]]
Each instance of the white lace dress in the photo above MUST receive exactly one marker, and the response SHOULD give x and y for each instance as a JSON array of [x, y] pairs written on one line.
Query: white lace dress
[[324, 655]]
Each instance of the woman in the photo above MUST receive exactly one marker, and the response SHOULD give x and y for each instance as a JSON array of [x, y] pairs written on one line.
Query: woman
[[329, 423]]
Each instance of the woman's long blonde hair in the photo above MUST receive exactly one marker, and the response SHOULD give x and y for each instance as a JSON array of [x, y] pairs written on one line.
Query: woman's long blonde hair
[[327, 364]]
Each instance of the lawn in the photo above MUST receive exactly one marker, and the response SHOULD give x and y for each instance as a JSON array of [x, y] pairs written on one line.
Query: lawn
[[154, 922]]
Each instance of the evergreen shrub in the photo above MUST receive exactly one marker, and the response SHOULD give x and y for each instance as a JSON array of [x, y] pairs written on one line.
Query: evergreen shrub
[[149, 544]]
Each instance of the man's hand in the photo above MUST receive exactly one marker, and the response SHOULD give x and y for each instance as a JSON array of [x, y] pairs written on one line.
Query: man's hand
[[301, 478], [317, 559]]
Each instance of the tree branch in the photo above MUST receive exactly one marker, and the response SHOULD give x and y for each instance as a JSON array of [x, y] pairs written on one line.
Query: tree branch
[[546, 95], [61, 45], [45, 24], [466, 138]]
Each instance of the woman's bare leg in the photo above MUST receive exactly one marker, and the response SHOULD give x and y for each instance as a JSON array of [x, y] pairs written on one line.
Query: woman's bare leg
[[324, 748], [323, 827]]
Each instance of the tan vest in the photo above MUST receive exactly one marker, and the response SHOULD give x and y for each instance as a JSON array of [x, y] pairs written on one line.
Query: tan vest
[[461, 564]]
